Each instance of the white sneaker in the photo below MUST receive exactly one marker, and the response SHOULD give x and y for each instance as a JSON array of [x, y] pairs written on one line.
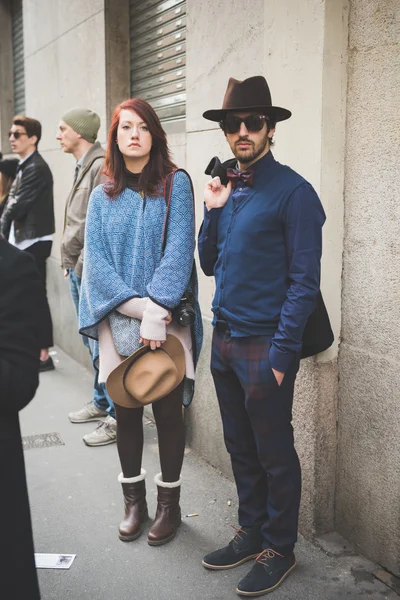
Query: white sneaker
[[105, 433], [90, 412]]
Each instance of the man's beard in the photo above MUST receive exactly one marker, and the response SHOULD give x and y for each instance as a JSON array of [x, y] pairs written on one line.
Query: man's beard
[[252, 153]]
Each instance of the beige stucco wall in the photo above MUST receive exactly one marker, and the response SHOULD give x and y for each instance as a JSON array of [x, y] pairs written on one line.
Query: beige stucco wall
[[368, 478], [301, 50]]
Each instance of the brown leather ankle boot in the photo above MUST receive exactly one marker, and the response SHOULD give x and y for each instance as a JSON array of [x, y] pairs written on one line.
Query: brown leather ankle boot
[[134, 491], [168, 515]]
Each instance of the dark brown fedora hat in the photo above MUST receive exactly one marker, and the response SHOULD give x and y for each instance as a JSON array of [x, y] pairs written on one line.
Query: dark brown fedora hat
[[252, 94]]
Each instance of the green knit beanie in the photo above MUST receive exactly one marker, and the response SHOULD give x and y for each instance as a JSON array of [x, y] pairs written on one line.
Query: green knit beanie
[[83, 121]]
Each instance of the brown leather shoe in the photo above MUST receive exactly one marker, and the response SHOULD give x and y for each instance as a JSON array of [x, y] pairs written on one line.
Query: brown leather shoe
[[168, 515], [134, 491]]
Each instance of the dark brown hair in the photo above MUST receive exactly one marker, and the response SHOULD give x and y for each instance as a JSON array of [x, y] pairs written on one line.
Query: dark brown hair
[[5, 186], [270, 125], [32, 126], [160, 164]]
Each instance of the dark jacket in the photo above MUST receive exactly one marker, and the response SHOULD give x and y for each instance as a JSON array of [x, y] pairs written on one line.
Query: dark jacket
[[21, 297], [30, 203]]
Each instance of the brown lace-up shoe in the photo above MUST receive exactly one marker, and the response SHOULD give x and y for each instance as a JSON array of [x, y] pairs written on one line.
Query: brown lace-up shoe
[[268, 572], [246, 545]]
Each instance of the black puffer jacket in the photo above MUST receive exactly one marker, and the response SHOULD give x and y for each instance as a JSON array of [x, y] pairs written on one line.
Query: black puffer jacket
[[30, 202]]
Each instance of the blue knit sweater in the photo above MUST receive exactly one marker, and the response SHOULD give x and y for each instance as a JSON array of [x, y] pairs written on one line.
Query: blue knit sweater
[[122, 256]]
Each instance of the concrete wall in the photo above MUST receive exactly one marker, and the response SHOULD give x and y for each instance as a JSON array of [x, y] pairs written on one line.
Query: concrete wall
[[301, 50], [368, 477], [6, 75]]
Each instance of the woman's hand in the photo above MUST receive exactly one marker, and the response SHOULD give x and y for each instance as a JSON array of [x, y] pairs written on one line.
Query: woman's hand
[[278, 376], [154, 344], [215, 194], [154, 324]]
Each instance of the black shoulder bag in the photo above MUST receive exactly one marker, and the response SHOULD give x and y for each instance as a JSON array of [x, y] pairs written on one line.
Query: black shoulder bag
[[184, 313]]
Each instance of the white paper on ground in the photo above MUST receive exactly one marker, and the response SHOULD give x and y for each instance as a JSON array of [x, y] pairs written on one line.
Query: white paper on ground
[[54, 561]]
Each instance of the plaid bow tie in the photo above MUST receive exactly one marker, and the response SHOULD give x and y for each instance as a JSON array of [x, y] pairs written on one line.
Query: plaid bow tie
[[234, 175]]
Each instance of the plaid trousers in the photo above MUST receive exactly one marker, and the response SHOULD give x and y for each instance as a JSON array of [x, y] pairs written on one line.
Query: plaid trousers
[[256, 416]]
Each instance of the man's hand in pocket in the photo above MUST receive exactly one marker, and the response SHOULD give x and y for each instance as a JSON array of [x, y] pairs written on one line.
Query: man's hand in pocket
[[278, 376]]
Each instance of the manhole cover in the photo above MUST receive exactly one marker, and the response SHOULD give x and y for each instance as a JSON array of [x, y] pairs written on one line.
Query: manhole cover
[[43, 440]]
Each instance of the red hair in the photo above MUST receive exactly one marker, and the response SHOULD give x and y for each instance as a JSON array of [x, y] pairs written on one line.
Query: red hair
[[160, 164]]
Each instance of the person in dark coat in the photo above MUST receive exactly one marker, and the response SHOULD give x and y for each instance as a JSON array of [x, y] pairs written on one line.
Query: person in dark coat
[[28, 217], [21, 300]]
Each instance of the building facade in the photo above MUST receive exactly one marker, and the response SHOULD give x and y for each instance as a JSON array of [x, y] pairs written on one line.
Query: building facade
[[336, 65]]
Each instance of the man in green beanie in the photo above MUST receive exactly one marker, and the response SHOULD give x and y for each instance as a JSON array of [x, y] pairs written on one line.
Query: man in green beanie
[[77, 135]]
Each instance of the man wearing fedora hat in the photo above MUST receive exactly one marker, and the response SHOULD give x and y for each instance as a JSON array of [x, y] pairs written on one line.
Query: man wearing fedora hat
[[262, 240]]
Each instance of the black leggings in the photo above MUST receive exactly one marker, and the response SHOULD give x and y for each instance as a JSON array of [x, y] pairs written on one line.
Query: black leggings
[[41, 252], [171, 436]]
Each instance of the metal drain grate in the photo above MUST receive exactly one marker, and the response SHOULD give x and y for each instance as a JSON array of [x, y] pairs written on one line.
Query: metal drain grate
[[42, 440]]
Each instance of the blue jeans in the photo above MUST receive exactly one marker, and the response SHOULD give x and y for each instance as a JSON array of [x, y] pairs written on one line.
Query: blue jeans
[[100, 397]]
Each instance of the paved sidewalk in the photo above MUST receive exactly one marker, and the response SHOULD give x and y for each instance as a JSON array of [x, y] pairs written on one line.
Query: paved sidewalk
[[76, 506]]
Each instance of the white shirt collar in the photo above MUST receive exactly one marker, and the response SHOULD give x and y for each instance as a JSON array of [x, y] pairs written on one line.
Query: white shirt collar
[[22, 160]]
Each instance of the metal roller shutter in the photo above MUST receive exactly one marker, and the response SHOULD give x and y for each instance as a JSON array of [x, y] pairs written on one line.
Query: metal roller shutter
[[158, 55], [18, 57]]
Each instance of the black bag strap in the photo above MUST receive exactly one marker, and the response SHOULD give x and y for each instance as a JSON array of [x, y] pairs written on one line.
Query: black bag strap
[[169, 180]]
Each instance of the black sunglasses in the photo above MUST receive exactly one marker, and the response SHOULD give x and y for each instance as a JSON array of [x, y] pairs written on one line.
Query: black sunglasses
[[253, 123], [16, 134]]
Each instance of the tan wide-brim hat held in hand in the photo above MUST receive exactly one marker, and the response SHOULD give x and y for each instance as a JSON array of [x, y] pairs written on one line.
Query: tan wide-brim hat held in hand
[[147, 375]]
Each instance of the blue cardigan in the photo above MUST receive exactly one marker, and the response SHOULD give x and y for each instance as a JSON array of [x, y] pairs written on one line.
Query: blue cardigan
[[122, 256]]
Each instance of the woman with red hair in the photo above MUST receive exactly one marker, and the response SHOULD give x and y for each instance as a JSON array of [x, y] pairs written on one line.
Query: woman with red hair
[[131, 284]]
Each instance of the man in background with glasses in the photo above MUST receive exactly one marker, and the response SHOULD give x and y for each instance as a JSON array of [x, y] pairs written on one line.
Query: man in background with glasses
[[262, 240], [28, 218]]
